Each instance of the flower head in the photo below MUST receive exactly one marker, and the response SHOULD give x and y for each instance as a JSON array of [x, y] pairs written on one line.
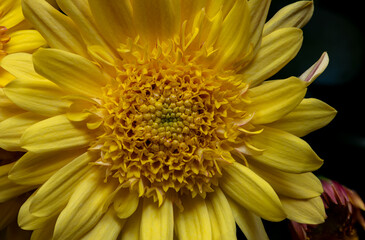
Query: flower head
[[343, 208], [152, 119]]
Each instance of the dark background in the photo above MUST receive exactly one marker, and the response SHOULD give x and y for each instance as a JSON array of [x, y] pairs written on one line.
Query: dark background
[[338, 28]]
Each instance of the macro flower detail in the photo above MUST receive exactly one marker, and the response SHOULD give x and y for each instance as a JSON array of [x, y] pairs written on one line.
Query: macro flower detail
[[153, 120]]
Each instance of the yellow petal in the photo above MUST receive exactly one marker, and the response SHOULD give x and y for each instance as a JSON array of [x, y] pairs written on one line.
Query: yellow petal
[[274, 99], [7, 107], [193, 222], [131, 229], [55, 133], [125, 203], [28, 221], [11, 13], [37, 96], [307, 211], [79, 12], [113, 19], [12, 129], [45, 232], [247, 189], [316, 69], [21, 66], [71, 72], [36, 168], [54, 194], [159, 19], [221, 217], [5, 77], [84, 208], [250, 224], [108, 227], [303, 186], [310, 115], [58, 29], [285, 151], [24, 41], [258, 13], [277, 49], [293, 15], [157, 222], [8, 189], [232, 43]]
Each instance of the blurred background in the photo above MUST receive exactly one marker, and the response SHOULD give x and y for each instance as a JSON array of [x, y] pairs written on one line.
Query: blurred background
[[338, 28]]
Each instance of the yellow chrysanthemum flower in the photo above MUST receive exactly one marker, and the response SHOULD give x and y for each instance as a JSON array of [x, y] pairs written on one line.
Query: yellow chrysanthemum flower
[[15, 34], [151, 120]]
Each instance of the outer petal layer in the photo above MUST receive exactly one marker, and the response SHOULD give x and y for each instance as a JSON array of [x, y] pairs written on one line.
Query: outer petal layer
[[55, 133], [274, 99], [285, 151], [248, 189], [70, 71], [277, 49], [310, 115]]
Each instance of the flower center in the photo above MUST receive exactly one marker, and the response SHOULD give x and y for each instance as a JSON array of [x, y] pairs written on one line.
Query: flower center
[[162, 126], [4, 38]]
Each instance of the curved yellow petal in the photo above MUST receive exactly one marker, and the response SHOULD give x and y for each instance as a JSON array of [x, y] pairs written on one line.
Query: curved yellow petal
[[12, 129], [35, 168], [221, 217], [307, 211], [274, 99], [293, 15], [24, 41], [44, 232], [232, 42], [285, 151], [37, 96], [11, 13], [57, 28], [55, 133], [303, 185], [9, 189], [71, 72], [53, 195], [250, 224], [193, 222], [276, 50], [113, 19], [84, 208], [125, 203], [311, 114], [79, 11], [131, 229], [157, 222], [247, 188], [7, 107], [108, 227], [316, 69], [28, 221], [21, 66], [5, 77], [155, 20], [258, 12]]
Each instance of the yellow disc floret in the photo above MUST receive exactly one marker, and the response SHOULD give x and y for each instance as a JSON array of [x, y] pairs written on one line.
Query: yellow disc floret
[[164, 120]]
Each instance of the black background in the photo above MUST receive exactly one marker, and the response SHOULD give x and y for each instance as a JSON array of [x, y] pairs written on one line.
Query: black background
[[337, 28]]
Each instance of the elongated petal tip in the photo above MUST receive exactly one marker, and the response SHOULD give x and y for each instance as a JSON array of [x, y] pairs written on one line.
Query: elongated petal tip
[[316, 69]]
